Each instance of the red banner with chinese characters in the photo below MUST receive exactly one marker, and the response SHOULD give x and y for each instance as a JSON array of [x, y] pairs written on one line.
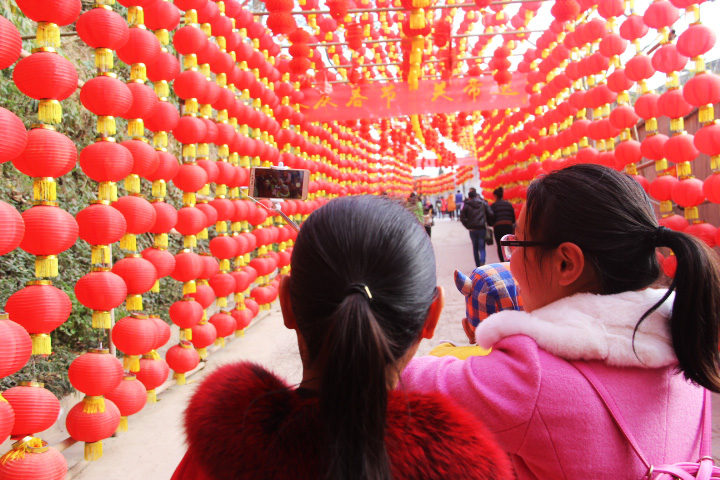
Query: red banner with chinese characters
[[383, 100]]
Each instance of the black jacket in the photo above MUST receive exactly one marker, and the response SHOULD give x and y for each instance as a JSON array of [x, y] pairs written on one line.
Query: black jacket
[[503, 210], [475, 214]]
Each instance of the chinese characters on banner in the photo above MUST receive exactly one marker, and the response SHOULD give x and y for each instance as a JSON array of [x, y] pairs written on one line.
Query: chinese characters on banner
[[383, 100]]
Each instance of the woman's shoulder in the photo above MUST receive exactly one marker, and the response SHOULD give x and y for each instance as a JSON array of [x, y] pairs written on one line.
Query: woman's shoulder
[[429, 436]]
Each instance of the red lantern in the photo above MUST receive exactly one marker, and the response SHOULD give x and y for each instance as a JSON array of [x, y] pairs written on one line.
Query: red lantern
[[145, 157], [669, 266], [153, 373], [166, 217], [101, 291], [139, 215], [142, 47], [711, 188], [189, 39], [101, 224], [134, 335], [163, 331], [7, 418], [680, 148], [144, 101], [210, 266], [661, 188], [252, 306], [12, 226], [103, 28], [162, 260], [224, 248], [703, 231], [190, 178], [188, 266], [15, 348], [139, 276], [242, 317], [61, 12], [39, 308], [13, 136], [106, 95], [47, 77], [707, 139], [92, 428], [10, 43], [161, 16], [204, 294], [164, 118], [106, 161], [36, 408], [186, 313], [225, 325], [95, 373], [39, 461], [223, 284], [674, 222], [688, 192], [190, 130], [203, 335], [129, 397], [191, 221], [47, 154], [182, 358]]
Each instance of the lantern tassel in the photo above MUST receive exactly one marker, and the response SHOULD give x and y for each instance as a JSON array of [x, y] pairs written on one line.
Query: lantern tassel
[[190, 241], [225, 264], [691, 214], [123, 425], [163, 36], [189, 287], [221, 302], [161, 240], [151, 396], [155, 355], [220, 342], [188, 150], [107, 191], [240, 333], [41, 344], [160, 139], [651, 124], [677, 124], [100, 254], [221, 227], [101, 319], [205, 190], [132, 183], [133, 303], [188, 333], [203, 234], [204, 317], [93, 404], [128, 242], [203, 149], [93, 451], [138, 71], [189, 199], [104, 59], [47, 35], [156, 287], [46, 266], [44, 188], [159, 188], [179, 378], [106, 126], [50, 111], [417, 18], [202, 352], [707, 114], [699, 64], [19, 449], [136, 128], [131, 363]]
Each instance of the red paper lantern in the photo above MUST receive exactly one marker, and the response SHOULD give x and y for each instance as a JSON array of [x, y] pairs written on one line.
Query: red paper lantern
[[161, 16], [703, 231], [13, 136], [661, 188], [12, 226], [653, 146], [225, 325], [223, 284], [669, 266], [203, 335], [138, 212], [660, 14], [189, 130], [134, 335], [142, 47], [101, 290], [707, 139], [711, 188], [242, 317], [673, 104], [92, 428], [209, 211], [191, 221], [139, 275], [144, 101], [153, 373], [46, 75], [697, 40], [164, 118], [106, 161], [96, 372], [224, 248], [680, 148], [674, 222], [47, 154], [10, 43], [166, 217], [163, 331], [130, 397], [106, 95], [101, 27], [190, 84], [702, 89], [190, 178], [7, 418], [61, 12], [252, 306], [188, 265], [15, 348], [36, 408], [101, 224], [49, 230], [204, 294], [182, 358], [40, 461], [210, 266], [189, 39], [163, 260], [186, 313], [688, 192]]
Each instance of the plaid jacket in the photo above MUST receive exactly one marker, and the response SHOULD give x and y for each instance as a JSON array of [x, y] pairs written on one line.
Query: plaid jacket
[[489, 289]]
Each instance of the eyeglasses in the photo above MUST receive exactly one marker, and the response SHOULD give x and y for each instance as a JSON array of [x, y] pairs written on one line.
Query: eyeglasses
[[510, 243]]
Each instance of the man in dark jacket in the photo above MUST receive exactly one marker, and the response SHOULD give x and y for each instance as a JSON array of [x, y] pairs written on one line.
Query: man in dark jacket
[[474, 216], [504, 223]]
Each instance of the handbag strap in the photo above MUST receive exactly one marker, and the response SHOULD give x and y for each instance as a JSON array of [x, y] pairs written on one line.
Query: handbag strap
[[705, 439]]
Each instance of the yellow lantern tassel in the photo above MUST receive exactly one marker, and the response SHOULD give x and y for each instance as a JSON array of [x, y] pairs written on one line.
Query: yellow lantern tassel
[[100, 254], [189, 287], [50, 111], [239, 301], [159, 188], [93, 404], [247, 258], [239, 333], [190, 241], [677, 124], [699, 64], [136, 127], [239, 261], [93, 451], [204, 317], [107, 191], [161, 240], [651, 124], [131, 363], [160, 140], [106, 126], [154, 355], [221, 227], [179, 378], [19, 449], [46, 266], [223, 151], [188, 333], [188, 150], [225, 264], [691, 213], [156, 287], [128, 242], [666, 206], [104, 60], [44, 188], [220, 342], [132, 183], [707, 114], [123, 426], [205, 190], [661, 165], [163, 36], [203, 234], [101, 319], [203, 150], [133, 303], [202, 352], [189, 199], [221, 302], [191, 105], [162, 88], [417, 18], [138, 71], [151, 396], [221, 190], [47, 35], [715, 162], [41, 344]]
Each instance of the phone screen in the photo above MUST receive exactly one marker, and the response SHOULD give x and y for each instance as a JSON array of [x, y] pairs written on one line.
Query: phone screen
[[279, 183]]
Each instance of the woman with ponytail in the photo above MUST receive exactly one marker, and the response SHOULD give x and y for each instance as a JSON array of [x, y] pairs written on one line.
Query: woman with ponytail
[[584, 258], [361, 295]]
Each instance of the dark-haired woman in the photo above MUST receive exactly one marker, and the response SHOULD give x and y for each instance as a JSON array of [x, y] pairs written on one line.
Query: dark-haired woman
[[361, 296], [584, 258]]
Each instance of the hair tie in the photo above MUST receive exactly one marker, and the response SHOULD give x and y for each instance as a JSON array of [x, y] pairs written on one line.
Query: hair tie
[[659, 236], [359, 288]]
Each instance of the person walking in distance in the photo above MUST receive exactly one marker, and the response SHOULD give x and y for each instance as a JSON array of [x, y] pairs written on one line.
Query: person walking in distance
[[475, 216], [458, 203], [451, 206], [504, 223]]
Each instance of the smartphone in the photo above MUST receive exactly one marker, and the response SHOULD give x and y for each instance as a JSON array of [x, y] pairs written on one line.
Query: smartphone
[[286, 183]]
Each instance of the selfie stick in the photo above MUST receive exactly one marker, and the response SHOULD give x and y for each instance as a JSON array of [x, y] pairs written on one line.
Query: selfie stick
[[277, 210]]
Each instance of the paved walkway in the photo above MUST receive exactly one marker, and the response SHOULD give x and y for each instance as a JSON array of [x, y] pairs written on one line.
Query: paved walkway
[[154, 444]]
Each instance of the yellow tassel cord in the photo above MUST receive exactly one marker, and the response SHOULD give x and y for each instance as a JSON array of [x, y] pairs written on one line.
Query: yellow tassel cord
[[707, 114], [221, 190], [163, 36], [672, 80], [191, 105], [188, 199], [19, 449], [47, 35], [132, 183], [107, 191], [186, 333], [190, 241], [240, 333], [204, 317], [2, 399], [221, 302], [136, 128], [203, 234], [239, 301], [162, 89], [44, 188], [159, 188], [223, 151], [135, 16], [104, 60], [50, 111], [715, 162], [133, 303], [203, 150], [131, 363], [46, 266], [221, 227], [179, 378], [154, 355], [202, 352], [101, 319], [41, 344], [691, 214], [189, 150], [156, 287], [651, 124], [677, 124], [93, 451], [128, 242], [225, 264], [93, 404], [205, 190], [189, 287], [123, 426], [699, 64], [666, 207], [151, 396], [106, 126], [220, 342], [138, 72], [661, 165], [161, 240], [160, 140]]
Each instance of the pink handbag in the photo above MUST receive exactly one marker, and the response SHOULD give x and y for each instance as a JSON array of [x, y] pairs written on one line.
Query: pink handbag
[[703, 469]]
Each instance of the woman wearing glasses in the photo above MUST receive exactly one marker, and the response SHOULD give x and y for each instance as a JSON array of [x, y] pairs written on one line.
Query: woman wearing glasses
[[584, 258]]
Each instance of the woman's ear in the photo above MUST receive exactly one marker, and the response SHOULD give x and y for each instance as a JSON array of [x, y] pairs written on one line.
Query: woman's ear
[[569, 263], [285, 304], [433, 314]]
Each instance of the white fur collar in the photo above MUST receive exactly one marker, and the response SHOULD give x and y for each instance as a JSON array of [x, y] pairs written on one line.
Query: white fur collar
[[593, 327]]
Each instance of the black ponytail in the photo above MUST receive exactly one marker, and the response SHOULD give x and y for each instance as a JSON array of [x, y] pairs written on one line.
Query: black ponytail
[[363, 279], [609, 216]]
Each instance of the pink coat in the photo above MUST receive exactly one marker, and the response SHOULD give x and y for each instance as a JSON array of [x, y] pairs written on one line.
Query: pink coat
[[546, 415]]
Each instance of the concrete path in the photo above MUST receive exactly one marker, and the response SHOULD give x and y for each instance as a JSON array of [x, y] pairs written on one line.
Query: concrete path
[[154, 444]]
